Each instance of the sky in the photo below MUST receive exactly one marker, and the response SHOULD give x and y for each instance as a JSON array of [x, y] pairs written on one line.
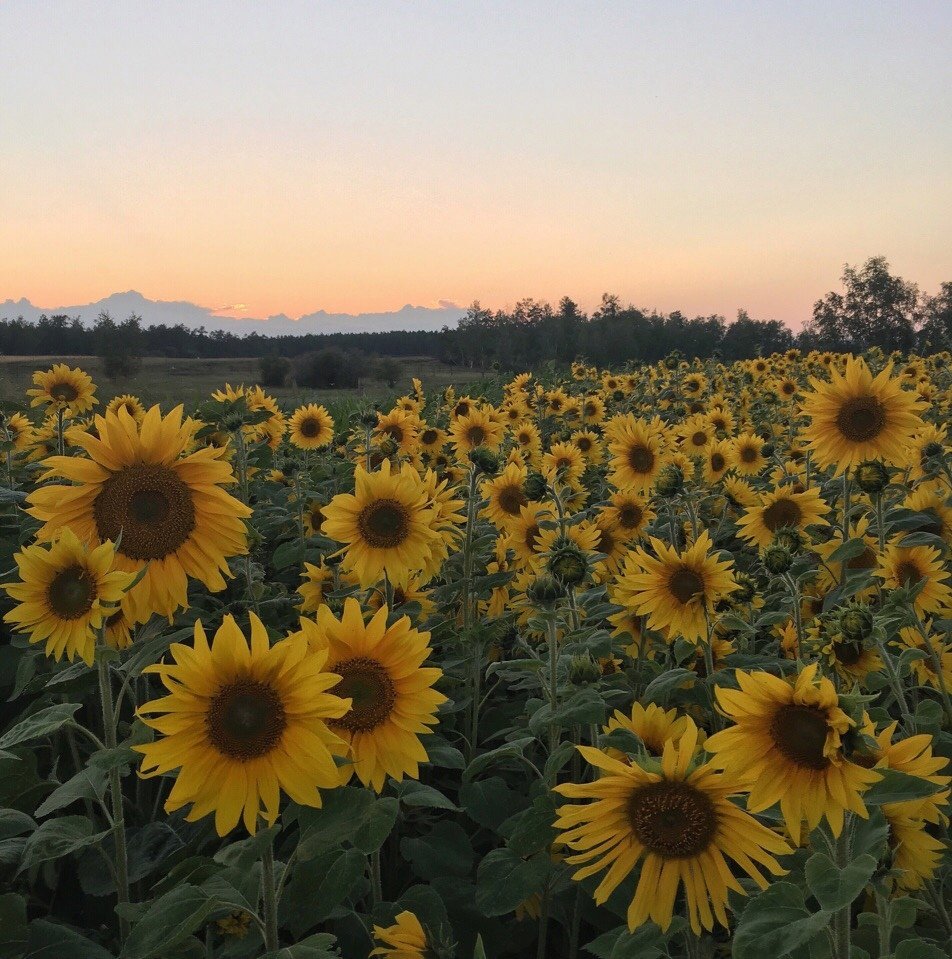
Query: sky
[[293, 156]]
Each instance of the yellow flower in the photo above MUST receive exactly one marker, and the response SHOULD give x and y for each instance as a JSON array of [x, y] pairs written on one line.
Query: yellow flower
[[311, 427], [64, 389], [241, 723], [782, 508], [405, 939], [637, 449], [901, 567], [505, 495], [475, 428], [65, 594], [133, 406], [393, 701]]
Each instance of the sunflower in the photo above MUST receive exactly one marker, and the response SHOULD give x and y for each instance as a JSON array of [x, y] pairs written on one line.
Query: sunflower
[[928, 443], [405, 939], [448, 521], [924, 669], [431, 438], [64, 389], [593, 410], [119, 626], [313, 517], [852, 661], [747, 455], [174, 518], [16, 429], [525, 532], [133, 406], [612, 541], [65, 593], [901, 567], [505, 495], [677, 592], [589, 444], [717, 461], [393, 701], [786, 744], [781, 509], [528, 441], [311, 427], [412, 593], [675, 817], [629, 513], [827, 575], [695, 434], [315, 581], [565, 463], [855, 416], [637, 449], [474, 429], [653, 725], [385, 523], [629, 627], [400, 427], [933, 501], [242, 722]]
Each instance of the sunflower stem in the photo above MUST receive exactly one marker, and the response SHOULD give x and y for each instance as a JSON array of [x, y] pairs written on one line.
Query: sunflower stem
[[376, 879], [841, 918], [896, 683], [551, 630], [937, 667], [60, 444], [115, 790], [269, 897]]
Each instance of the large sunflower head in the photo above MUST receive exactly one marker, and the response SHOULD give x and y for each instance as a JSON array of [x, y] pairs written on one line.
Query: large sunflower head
[[65, 593], [779, 509], [386, 524], [677, 819], [168, 513], [63, 389], [855, 416], [475, 428], [237, 723], [787, 745], [748, 455], [400, 428], [630, 514], [393, 701], [564, 464], [505, 495], [311, 427], [676, 591], [637, 449]]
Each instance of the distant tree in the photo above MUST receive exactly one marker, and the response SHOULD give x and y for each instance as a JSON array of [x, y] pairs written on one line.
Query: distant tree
[[936, 333], [875, 309], [388, 370], [274, 370], [119, 345], [330, 369], [747, 337]]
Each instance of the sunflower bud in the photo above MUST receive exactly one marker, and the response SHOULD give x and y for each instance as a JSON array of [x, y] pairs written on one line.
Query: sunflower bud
[[387, 447], [670, 481], [777, 559], [545, 591], [233, 421], [856, 623], [368, 418], [535, 486], [485, 460], [871, 477], [789, 539], [931, 451], [568, 564], [584, 670], [746, 588]]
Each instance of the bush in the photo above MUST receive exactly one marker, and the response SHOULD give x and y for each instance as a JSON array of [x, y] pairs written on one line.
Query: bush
[[388, 370], [330, 369], [120, 365], [274, 370]]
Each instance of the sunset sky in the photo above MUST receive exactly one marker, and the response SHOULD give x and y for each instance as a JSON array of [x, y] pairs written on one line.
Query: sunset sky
[[293, 156]]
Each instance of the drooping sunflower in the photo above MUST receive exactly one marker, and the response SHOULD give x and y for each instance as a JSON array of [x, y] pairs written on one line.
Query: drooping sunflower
[[782, 508], [678, 820], [310, 427], [638, 455], [172, 512], [505, 495], [315, 582], [65, 593], [855, 416], [676, 591], [405, 939], [393, 701], [476, 428], [934, 501], [63, 389], [525, 532], [786, 744], [385, 523], [242, 722], [132, 404], [902, 567], [924, 669]]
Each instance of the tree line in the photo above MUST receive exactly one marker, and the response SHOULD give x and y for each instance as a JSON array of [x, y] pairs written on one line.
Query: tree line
[[874, 308]]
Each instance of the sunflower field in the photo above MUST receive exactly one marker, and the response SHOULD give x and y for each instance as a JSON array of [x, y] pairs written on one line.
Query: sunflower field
[[646, 663]]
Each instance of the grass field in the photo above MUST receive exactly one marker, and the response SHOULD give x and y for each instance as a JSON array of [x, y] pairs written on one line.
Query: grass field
[[189, 381]]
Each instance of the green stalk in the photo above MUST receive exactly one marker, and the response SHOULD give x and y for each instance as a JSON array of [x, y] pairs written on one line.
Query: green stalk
[[269, 898], [551, 630], [841, 918]]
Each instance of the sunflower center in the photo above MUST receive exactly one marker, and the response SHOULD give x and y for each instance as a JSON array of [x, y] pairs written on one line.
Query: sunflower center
[[584, 444], [532, 536], [849, 654], [394, 432], [784, 512], [606, 542], [64, 392], [511, 499], [865, 560], [310, 427], [462, 409], [672, 819], [748, 454], [799, 732], [246, 719], [908, 573], [699, 438], [861, 419], [685, 584], [428, 438], [384, 523], [641, 459], [717, 462], [371, 691], [476, 435], [629, 516], [71, 592], [590, 409], [150, 507]]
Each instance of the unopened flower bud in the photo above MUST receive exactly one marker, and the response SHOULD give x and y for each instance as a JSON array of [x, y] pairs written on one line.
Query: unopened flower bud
[[670, 481], [871, 477], [777, 559]]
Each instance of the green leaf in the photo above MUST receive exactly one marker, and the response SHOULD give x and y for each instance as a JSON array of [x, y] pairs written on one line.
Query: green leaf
[[846, 551], [51, 941], [661, 687], [14, 823], [88, 783], [168, 921], [915, 948], [836, 888], [777, 922], [513, 748], [40, 724], [338, 819], [345, 872], [504, 880], [444, 851], [413, 793], [896, 786], [56, 838], [288, 554], [479, 950], [13, 928], [490, 802], [531, 831], [377, 825], [318, 946], [646, 942]]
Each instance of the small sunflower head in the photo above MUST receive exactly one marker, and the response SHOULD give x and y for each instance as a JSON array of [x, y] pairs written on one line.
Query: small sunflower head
[[871, 477], [790, 539], [584, 670], [569, 564], [535, 486], [545, 591], [856, 623], [368, 418], [670, 481], [746, 588], [485, 460], [931, 451], [777, 559]]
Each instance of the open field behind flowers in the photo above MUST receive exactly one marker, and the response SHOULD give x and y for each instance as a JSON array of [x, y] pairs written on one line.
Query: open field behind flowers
[[637, 663]]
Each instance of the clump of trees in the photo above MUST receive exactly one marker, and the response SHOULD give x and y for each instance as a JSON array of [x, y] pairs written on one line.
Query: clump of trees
[[119, 345], [273, 370], [330, 369]]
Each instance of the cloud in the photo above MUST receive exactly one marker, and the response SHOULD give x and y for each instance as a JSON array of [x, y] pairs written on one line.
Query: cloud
[[448, 305]]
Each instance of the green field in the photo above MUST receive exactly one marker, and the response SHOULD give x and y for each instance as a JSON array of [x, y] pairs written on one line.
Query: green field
[[189, 381]]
